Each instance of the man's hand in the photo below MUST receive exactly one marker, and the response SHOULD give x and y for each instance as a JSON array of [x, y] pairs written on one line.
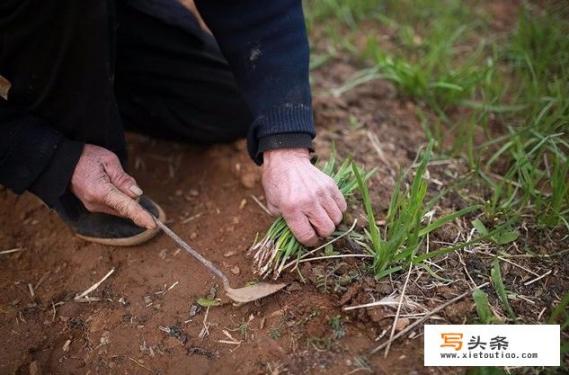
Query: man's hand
[[307, 198], [103, 186]]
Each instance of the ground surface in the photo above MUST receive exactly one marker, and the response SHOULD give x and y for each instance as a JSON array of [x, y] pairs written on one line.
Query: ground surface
[[146, 318], [209, 189]]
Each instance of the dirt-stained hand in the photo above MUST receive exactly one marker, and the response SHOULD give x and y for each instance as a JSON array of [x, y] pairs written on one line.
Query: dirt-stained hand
[[100, 182], [308, 199]]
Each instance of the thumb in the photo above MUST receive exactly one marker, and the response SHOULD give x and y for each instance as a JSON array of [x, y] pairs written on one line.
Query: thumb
[[121, 180], [128, 207]]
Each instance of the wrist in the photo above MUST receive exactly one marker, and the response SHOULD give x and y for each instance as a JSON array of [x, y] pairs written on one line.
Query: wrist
[[285, 155]]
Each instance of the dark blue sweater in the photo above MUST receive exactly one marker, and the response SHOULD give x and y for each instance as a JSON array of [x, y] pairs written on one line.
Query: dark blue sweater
[[266, 46]]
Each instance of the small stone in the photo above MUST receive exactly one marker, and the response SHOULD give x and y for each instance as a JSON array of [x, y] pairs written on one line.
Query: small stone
[[193, 236], [248, 180], [236, 220], [34, 368], [235, 270], [66, 346], [294, 287], [229, 254], [194, 193], [105, 338], [194, 310], [402, 323], [243, 203]]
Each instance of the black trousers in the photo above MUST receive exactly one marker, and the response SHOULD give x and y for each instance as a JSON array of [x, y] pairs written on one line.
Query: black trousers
[[93, 68], [173, 82]]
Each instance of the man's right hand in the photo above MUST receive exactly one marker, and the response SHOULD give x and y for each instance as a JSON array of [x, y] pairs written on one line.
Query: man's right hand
[[102, 185]]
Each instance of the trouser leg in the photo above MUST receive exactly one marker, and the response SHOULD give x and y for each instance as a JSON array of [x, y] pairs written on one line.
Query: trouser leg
[[60, 56], [173, 82]]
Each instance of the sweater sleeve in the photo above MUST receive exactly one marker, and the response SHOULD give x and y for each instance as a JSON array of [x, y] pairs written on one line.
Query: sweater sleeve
[[266, 46], [34, 156]]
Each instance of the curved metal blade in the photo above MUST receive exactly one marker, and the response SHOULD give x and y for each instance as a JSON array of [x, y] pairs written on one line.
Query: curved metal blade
[[253, 292]]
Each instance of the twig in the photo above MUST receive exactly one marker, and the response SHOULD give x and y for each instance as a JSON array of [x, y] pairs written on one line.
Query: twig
[[371, 304], [427, 316], [398, 312], [337, 256], [261, 205], [10, 251], [31, 289], [537, 278], [140, 364], [94, 286], [193, 217], [517, 265], [377, 146]]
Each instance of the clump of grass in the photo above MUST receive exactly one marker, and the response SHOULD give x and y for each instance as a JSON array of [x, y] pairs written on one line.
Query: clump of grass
[[405, 229], [279, 245]]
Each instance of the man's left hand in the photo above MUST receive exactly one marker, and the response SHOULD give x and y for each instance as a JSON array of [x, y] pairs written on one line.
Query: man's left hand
[[308, 199]]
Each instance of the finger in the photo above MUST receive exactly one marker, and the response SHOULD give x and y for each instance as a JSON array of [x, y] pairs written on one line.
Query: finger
[[332, 209], [321, 221], [339, 199], [128, 207], [123, 181], [301, 228]]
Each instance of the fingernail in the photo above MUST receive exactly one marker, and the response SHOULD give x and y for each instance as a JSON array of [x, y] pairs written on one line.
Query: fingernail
[[136, 190]]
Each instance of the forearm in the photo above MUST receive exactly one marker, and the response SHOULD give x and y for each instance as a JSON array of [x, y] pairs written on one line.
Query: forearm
[[267, 48], [33, 156]]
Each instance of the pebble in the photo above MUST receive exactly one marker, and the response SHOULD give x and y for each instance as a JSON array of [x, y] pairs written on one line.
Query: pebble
[[229, 254], [248, 180], [34, 368], [194, 193], [235, 270], [402, 323]]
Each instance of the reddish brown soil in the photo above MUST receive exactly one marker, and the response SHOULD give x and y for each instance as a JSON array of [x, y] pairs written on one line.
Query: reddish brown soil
[[210, 189], [121, 333]]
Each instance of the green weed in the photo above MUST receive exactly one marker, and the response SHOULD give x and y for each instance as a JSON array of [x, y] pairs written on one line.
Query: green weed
[[498, 283], [405, 229]]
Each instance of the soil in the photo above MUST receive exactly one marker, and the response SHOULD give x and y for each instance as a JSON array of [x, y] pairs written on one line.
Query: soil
[[146, 318]]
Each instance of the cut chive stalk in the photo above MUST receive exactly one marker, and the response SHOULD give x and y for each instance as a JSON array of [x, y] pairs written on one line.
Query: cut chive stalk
[[278, 245]]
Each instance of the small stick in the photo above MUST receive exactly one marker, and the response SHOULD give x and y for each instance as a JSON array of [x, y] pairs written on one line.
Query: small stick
[[193, 217], [31, 289], [537, 278], [94, 286], [337, 256], [10, 251], [140, 364], [371, 304], [427, 316], [172, 286], [261, 205], [517, 265], [398, 311]]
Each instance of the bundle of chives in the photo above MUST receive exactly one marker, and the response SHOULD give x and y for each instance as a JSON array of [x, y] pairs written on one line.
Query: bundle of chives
[[279, 245]]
